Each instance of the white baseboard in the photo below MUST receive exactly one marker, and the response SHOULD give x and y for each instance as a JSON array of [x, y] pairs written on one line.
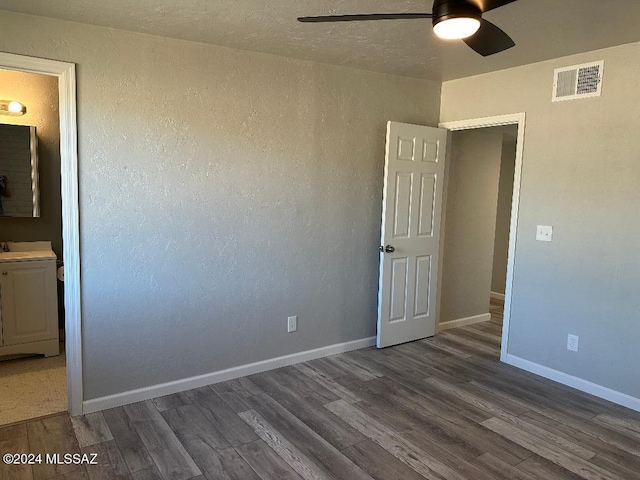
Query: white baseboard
[[575, 382], [497, 296], [461, 322], [153, 391]]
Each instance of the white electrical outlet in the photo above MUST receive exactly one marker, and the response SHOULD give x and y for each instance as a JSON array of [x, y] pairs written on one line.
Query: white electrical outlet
[[544, 233], [292, 324], [572, 343]]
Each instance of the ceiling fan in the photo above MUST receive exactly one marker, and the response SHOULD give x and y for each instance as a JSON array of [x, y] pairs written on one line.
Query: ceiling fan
[[452, 19]]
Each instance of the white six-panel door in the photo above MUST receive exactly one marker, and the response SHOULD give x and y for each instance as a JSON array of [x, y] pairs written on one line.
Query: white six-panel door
[[410, 239]]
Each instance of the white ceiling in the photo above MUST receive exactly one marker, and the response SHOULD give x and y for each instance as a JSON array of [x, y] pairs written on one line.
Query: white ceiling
[[542, 29]]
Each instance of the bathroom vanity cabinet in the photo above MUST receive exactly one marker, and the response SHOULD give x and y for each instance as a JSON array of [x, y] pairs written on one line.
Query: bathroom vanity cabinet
[[28, 301]]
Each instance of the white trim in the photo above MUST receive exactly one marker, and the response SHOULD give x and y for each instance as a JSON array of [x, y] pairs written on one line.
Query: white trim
[[176, 386], [497, 296], [461, 322], [66, 74], [575, 382], [520, 120]]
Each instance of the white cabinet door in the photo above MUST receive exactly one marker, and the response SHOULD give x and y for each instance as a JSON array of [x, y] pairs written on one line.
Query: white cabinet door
[[28, 293]]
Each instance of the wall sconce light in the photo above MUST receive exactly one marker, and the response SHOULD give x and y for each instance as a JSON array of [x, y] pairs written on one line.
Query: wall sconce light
[[11, 107]]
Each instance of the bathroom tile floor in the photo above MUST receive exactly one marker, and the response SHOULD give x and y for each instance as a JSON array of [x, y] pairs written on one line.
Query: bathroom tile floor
[[32, 387]]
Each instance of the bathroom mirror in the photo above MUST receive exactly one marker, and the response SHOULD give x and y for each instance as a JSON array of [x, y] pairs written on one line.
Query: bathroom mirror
[[19, 192]]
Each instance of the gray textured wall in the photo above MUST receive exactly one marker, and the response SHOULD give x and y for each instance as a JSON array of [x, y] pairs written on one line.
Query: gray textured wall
[[469, 225], [581, 173], [503, 217], [40, 95], [220, 191]]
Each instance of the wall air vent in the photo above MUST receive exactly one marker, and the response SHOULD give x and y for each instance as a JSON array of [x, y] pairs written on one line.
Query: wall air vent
[[578, 81]]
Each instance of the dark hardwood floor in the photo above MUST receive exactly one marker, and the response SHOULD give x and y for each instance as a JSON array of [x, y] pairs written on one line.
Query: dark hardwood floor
[[441, 408]]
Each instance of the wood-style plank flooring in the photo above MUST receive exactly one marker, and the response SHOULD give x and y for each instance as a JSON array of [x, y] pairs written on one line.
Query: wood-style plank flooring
[[441, 408]]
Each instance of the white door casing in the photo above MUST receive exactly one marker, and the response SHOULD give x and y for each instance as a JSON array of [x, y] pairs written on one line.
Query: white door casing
[[411, 217], [66, 74], [518, 119]]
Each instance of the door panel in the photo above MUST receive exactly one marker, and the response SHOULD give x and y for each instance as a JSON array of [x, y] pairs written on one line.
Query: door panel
[[423, 285], [29, 307], [430, 151], [411, 211], [427, 204], [406, 149], [398, 289], [402, 210]]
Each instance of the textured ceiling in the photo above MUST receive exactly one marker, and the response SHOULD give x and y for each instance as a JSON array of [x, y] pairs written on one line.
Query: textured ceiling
[[542, 29]]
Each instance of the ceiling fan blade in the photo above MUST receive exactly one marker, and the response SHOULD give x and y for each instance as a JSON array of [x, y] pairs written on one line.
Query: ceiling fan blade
[[486, 5], [489, 40], [364, 16]]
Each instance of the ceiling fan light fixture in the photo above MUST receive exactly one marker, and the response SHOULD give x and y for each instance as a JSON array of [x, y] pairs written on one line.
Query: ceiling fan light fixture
[[451, 19], [456, 28]]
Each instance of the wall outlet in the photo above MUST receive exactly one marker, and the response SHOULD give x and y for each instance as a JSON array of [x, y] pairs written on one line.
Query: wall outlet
[[292, 324], [572, 343], [544, 233]]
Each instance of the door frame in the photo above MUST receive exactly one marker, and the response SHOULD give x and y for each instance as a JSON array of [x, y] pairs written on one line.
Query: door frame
[[518, 119], [66, 74]]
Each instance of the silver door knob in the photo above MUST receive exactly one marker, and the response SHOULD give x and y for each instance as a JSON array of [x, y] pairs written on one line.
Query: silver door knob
[[387, 249], [5, 273]]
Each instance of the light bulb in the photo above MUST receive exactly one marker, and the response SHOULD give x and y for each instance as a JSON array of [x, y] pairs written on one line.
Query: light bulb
[[456, 28], [16, 107]]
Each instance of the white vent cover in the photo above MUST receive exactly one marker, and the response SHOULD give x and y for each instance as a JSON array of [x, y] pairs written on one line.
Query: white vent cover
[[578, 81]]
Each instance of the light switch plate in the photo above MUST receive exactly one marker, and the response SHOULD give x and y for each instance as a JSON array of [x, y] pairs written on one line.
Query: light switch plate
[[292, 324], [544, 233]]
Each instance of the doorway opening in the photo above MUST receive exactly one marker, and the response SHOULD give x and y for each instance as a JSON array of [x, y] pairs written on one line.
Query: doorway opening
[[480, 216], [32, 354], [68, 245]]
